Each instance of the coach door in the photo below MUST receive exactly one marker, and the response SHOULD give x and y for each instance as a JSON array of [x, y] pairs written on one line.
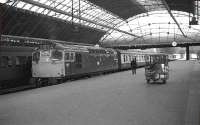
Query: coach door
[[69, 59]]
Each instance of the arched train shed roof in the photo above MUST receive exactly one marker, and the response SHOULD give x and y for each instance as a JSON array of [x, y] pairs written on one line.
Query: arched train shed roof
[[108, 22]]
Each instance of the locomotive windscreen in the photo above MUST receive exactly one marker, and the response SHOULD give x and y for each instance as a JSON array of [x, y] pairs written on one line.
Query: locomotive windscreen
[[55, 54], [36, 56]]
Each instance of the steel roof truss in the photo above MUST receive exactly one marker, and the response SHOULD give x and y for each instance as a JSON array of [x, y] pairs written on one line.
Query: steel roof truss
[[69, 14], [170, 13]]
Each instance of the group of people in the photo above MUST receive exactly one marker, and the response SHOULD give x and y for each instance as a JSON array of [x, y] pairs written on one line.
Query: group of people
[[134, 66]]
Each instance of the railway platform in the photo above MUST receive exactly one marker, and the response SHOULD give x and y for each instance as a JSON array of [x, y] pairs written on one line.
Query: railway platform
[[113, 99]]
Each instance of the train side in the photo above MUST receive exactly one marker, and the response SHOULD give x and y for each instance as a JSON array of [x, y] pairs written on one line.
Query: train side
[[125, 58], [172, 57], [92, 61], [71, 61], [15, 65], [68, 62]]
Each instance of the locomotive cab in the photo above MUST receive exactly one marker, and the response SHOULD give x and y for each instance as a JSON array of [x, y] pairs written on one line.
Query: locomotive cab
[[48, 63]]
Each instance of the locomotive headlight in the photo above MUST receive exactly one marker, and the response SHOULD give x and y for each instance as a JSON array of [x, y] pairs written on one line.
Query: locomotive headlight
[[62, 71]]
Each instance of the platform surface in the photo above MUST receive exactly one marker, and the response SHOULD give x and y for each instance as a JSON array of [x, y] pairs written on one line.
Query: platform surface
[[113, 99]]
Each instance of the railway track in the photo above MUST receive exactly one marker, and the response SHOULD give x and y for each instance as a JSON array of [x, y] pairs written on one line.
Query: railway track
[[16, 89]]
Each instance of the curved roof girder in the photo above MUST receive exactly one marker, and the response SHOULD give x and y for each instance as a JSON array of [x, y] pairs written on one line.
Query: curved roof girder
[[69, 14], [150, 34], [182, 14], [117, 43], [170, 13], [148, 14]]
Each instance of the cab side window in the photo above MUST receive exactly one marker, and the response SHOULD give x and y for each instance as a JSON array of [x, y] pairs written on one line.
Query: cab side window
[[69, 56], [78, 60], [7, 61], [36, 56], [17, 62], [55, 54]]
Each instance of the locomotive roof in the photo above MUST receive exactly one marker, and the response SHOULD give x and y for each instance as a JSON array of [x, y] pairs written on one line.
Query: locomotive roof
[[137, 51], [134, 51], [82, 48], [154, 54]]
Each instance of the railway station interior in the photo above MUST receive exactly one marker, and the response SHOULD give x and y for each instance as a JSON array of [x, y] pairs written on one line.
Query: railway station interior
[[99, 62]]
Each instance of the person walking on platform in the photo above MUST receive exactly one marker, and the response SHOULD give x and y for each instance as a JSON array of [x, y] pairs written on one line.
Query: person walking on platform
[[133, 66]]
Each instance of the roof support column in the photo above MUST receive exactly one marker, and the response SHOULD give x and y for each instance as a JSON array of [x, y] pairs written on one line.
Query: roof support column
[[170, 13], [187, 52]]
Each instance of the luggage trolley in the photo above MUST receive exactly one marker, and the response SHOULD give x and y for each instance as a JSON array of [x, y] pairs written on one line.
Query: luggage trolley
[[156, 67]]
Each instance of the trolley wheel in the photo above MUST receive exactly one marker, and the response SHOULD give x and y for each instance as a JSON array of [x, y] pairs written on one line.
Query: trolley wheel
[[164, 81]]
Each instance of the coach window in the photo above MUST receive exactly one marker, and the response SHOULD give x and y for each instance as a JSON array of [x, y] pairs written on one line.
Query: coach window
[[138, 58], [124, 58], [78, 58], [17, 62], [4, 61], [130, 58], [142, 57], [21, 60], [1, 61], [9, 61], [115, 57]]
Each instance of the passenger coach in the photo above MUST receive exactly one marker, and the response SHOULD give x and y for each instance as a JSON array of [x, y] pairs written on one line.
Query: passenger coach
[[15, 65], [125, 58]]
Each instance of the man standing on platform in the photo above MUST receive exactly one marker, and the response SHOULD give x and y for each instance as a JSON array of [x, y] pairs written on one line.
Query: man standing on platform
[[133, 66]]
